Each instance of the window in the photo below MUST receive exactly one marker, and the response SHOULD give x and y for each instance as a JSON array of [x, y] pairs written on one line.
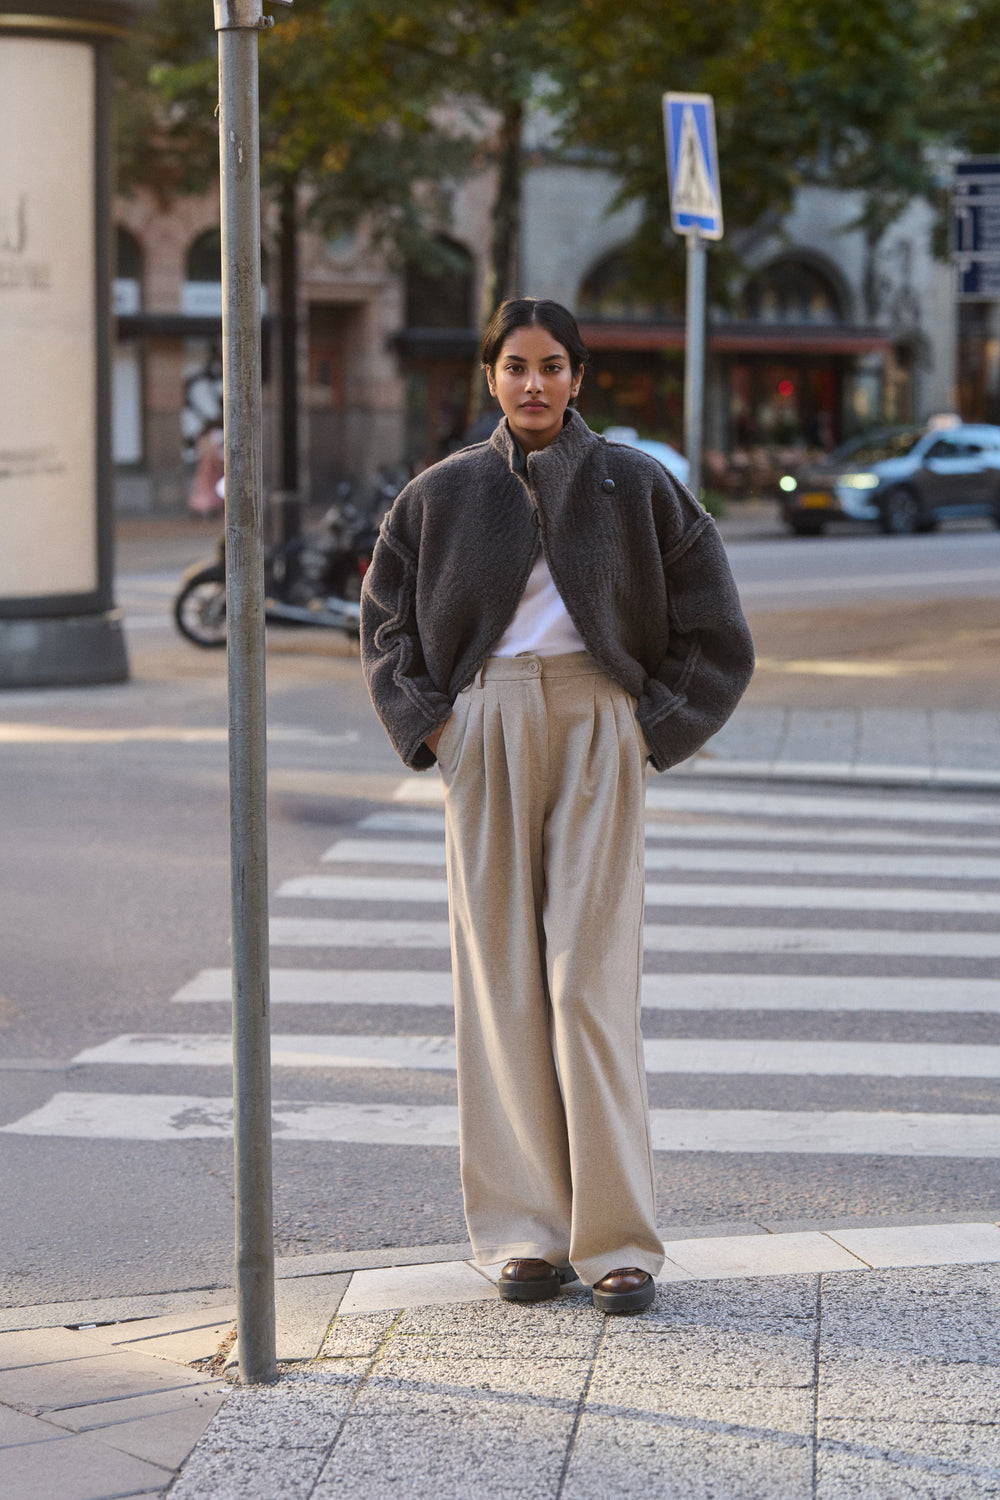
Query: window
[[790, 291], [201, 294], [609, 291], [440, 293], [127, 285]]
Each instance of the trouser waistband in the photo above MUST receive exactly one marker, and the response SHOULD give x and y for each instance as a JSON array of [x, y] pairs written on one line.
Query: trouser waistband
[[522, 668]]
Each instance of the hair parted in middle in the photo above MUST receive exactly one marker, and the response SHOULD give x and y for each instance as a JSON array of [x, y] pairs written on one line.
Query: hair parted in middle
[[528, 312]]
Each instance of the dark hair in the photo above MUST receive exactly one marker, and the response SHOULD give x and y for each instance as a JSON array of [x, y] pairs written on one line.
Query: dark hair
[[527, 312]]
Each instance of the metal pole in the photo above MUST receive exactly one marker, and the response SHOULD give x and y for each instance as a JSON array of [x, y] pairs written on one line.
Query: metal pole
[[694, 360], [237, 22]]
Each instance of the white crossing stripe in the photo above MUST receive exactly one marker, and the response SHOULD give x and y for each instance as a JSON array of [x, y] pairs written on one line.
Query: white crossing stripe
[[714, 830], [812, 898], [429, 791], [422, 1053], [802, 805], [322, 932], [819, 992], [158, 1117], [364, 888], [331, 987], [697, 992], [710, 1056], [749, 861]]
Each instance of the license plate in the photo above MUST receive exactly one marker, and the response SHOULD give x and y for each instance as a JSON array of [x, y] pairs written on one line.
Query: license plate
[[816, 500]]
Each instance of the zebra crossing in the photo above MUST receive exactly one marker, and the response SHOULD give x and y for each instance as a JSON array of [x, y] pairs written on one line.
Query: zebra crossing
[[783, 903]]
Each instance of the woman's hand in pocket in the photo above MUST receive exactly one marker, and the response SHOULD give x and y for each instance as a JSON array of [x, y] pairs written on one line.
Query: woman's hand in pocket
[[432, 740]]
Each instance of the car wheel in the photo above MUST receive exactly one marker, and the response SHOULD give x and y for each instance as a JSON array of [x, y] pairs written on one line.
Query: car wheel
[[799, 527], [900, 513]]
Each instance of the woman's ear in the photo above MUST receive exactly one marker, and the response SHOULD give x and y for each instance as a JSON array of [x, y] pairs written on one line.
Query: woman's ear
[[489, 380], [575, 388]]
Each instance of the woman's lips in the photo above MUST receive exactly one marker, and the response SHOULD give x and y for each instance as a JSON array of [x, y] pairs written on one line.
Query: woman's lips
[[534, 406]]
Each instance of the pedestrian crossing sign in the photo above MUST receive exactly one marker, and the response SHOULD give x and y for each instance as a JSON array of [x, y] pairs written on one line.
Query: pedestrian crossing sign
[[693, 165]]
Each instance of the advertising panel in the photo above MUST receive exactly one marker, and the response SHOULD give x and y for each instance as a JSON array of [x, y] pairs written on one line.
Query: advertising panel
[[48, 414]]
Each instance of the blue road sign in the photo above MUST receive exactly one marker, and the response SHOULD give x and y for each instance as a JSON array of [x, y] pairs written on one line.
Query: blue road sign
[[976, 229], [693, 165]]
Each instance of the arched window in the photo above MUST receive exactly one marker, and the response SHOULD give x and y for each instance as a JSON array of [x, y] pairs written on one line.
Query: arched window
[[440, 294], [608, 291], [201, 294], [128, 273], [790, 291]]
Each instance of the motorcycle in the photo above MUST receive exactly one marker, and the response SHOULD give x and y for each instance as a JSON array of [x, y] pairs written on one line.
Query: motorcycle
[[314, 579]]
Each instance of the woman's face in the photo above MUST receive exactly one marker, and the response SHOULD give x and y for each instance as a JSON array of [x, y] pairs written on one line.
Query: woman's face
[[534, 382]]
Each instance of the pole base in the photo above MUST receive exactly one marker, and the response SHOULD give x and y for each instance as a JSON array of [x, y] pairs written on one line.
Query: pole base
[[62, 651]]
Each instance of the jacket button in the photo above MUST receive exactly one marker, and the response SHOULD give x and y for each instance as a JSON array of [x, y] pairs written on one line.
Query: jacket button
[[608, 486]]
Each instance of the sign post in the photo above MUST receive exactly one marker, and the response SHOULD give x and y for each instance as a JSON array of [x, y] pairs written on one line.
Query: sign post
[[696, 213], [237, 23]]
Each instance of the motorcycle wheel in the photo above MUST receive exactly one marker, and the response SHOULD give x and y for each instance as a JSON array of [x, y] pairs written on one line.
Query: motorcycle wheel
[[200, 609]]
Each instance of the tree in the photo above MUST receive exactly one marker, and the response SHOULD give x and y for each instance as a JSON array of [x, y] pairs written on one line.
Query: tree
[[803, 92], [338, 130]]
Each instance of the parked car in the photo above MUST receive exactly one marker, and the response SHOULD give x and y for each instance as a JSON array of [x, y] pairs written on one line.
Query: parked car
[[671, 460], [905, 479]]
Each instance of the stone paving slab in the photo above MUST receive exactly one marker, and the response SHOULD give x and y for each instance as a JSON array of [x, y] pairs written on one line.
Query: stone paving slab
[[417, 1286], [761, 1255], [76, 1468], [929, 1245]]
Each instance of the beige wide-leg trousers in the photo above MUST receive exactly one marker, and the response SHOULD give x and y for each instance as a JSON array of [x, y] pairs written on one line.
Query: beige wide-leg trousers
[[543, 765]]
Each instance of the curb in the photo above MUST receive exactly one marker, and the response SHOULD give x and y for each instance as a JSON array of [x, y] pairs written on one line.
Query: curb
[[941, 778], [300, 1267]]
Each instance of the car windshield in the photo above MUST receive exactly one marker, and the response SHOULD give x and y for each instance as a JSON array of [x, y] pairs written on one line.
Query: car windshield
[[875, 447]]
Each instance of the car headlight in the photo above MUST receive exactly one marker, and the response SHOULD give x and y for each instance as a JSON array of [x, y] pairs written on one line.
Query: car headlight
[[859, 481], [787, 483]]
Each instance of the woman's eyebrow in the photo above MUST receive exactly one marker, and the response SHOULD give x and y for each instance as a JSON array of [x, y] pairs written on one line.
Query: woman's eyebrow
[[546, 359]]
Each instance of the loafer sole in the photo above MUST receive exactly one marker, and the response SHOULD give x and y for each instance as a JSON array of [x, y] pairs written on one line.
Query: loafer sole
[[536, 1291], [529, 1291], [620, 1302]]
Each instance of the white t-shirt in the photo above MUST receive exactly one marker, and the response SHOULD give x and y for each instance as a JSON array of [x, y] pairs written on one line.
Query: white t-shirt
[[541, 623]]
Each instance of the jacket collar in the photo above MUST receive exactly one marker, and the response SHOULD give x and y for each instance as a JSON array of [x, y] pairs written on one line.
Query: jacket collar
[[556, 464]]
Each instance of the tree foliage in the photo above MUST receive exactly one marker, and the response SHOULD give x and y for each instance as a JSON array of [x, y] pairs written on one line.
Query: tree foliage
[[363, 138], [803, 91]]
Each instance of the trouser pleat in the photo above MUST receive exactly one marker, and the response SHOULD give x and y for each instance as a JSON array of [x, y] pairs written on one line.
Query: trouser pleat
[[543, 768]]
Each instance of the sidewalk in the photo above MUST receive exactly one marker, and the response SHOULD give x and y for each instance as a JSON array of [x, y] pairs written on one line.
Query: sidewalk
[[856, 747], [806, 1361]]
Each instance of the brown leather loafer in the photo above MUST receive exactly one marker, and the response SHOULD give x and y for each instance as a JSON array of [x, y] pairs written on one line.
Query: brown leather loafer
[[626, 1290], [532, 1280]]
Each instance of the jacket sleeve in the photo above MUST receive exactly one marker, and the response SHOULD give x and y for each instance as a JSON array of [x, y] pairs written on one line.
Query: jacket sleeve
[[708, 661], [402, 692]]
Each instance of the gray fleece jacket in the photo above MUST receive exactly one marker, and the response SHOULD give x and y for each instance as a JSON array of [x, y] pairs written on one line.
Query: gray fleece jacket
[[638, 563]]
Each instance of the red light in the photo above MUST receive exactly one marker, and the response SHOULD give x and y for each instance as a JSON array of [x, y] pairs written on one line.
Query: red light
[[786, 388]]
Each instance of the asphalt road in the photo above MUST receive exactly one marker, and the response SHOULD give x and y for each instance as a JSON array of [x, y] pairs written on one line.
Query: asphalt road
[[113, 873]]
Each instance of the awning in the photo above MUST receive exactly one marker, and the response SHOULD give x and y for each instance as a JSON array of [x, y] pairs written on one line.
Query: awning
[[438, 343], [773, 339]]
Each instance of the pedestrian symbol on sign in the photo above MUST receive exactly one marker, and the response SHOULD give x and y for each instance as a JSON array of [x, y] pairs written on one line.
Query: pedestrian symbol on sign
[[695, 198], [693, 192]]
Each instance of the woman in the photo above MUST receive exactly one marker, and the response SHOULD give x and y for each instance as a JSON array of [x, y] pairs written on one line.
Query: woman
[[544, 612]]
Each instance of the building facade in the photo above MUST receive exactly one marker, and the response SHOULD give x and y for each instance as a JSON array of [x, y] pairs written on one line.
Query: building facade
[[821, 338]]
